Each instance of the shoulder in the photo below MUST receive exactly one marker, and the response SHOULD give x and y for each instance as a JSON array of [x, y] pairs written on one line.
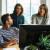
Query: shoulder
[[1, 31], [34, 15], [14, 28], [21, 15]]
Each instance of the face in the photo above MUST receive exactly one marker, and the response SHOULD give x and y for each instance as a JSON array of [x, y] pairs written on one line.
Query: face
[[10, 21], [42, 10], [18, 9]]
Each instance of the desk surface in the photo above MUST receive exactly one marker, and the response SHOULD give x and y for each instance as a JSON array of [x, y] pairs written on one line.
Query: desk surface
[[13, 46]]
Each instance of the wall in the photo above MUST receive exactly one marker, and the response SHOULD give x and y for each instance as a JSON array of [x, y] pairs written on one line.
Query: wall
[[48, 4], [2, 8], [43, 1]]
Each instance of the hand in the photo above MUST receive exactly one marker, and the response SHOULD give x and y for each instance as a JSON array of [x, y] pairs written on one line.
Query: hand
[[13, 41]]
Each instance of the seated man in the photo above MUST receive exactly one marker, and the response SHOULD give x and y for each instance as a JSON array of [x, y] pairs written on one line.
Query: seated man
[[8, 35]]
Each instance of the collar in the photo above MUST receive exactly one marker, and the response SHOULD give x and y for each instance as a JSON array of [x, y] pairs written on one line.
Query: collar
[[5, 28]]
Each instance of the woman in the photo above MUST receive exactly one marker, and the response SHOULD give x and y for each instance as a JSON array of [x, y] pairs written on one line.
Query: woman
[[41, 18], [17, 16]]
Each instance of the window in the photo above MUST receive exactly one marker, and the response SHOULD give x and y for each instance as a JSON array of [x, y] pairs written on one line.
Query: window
[[30, 8], [10, 6]]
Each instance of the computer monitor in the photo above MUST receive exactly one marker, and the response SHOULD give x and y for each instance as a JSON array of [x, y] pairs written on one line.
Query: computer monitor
[[29, 34]]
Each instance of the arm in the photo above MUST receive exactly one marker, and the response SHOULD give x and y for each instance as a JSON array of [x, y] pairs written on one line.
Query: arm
[[12, 41], [47, 21], [17, 33], [6, 44], [1, 41], [33, 19], [23, 20]]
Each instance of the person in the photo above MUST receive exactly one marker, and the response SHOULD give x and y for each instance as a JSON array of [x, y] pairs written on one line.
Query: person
[[17, 15], [8, 35], [41, 18]]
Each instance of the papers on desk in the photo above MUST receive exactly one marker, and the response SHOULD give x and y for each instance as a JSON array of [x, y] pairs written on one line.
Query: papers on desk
[[9, 49]]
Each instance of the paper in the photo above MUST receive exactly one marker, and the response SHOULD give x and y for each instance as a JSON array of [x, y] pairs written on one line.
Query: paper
[[9, 49]]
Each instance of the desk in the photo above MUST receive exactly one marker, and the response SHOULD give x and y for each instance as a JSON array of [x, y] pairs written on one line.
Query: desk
[[13, 46]]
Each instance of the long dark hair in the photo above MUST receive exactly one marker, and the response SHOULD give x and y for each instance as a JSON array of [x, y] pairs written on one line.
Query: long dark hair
[[46, 10], [16, 7]]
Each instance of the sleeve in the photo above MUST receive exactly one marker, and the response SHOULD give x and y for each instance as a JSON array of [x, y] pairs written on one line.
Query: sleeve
[[23, 20], [32, 19], [2, 42], [17, 31], [47, 21]]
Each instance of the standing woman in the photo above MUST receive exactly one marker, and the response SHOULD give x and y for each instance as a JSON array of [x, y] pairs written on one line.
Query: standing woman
[[41, 18], [17, 16]]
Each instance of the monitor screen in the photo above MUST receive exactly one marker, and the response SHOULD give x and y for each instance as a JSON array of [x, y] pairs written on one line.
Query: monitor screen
[[30, 34]]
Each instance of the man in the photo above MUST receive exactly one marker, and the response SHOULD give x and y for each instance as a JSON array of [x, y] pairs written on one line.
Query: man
[[8, 35]]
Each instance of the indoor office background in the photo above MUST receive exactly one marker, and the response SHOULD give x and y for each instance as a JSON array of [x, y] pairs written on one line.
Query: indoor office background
[[30, 7]]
